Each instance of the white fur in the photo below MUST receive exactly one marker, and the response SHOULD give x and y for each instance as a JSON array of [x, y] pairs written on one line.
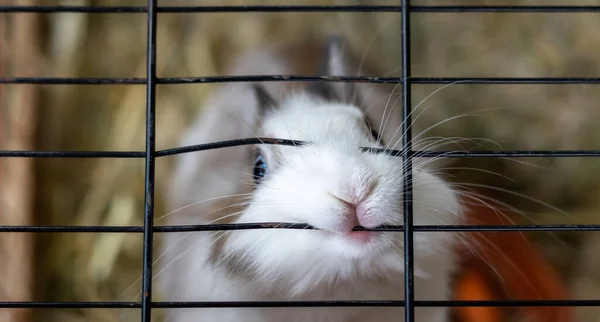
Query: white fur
[[305, 184]]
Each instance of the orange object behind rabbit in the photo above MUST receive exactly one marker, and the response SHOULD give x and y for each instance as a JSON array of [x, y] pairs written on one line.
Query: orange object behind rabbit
[[505, 266]]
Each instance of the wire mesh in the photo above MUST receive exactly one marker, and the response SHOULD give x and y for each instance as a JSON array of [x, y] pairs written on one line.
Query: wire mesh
[[150, 154]]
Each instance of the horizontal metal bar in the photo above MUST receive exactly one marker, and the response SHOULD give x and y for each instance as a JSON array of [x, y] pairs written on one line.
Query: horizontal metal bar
[[73, 81], [227, 143], [376, 303], [193, 80], [506, 9], [249, 141], [396, 228], [271, 225], [512, 154], [72, 154], [418, 154], [198, 9], [276, 141], [71, 305], [300, 78], [72, 9], [506, 80], [283, 9], [272, 304]]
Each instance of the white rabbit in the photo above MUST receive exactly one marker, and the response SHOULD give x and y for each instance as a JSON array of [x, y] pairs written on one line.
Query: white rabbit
[[330, 183]]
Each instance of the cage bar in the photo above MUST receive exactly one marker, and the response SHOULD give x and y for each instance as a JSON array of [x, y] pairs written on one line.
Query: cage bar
[[307, 8], [150, 163], [150, 154], [300, 78], [409, 287]]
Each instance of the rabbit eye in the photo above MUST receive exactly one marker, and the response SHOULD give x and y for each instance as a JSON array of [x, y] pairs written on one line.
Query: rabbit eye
[[260, 168]]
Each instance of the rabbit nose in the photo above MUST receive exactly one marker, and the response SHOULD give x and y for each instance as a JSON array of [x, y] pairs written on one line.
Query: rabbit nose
[[356, 214], [353, 196]]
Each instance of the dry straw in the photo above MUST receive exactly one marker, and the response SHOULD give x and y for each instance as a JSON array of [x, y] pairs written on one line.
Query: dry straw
[[107, 267]]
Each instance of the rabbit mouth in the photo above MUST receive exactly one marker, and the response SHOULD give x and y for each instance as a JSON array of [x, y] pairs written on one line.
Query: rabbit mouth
[[357, 237], [361, 236]]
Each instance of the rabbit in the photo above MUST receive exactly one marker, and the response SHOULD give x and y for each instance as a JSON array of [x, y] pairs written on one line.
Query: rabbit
[[329, 183]]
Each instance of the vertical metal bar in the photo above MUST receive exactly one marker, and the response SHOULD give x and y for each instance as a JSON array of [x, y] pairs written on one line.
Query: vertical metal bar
[[407, 166], [150, 154]]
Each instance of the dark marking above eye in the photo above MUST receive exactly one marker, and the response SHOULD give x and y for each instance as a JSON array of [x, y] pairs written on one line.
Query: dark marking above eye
[[376, 136], [264, 99]]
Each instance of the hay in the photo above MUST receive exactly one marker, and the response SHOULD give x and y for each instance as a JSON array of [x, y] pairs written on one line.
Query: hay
[[96, 267], [17, 127]]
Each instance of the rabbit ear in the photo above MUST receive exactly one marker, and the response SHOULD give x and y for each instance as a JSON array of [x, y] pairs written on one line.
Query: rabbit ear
[[265, 101], [334, 63]]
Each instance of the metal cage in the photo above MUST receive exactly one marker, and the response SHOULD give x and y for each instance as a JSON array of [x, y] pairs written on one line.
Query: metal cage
[[407, 153]]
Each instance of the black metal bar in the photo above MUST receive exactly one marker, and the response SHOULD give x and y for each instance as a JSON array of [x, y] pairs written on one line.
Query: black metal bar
[[505, 9], [379, 8], [379, 303], [291, 9], [301, 78], [506, 80], [267, 225], [73, 81], [513, 154], [72, 154], [273, 304], [409, 287], [228, 143], [150, 166], [420, 154], [238, 142], [148, 229], [71, 305], [72, 9], [400, 228]]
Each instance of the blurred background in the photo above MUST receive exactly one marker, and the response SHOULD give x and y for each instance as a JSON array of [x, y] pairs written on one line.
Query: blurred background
[[107, 267]]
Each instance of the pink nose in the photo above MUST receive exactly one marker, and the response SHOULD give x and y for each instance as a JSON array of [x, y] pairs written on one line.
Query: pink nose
[[359, 214], [363, 215]]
